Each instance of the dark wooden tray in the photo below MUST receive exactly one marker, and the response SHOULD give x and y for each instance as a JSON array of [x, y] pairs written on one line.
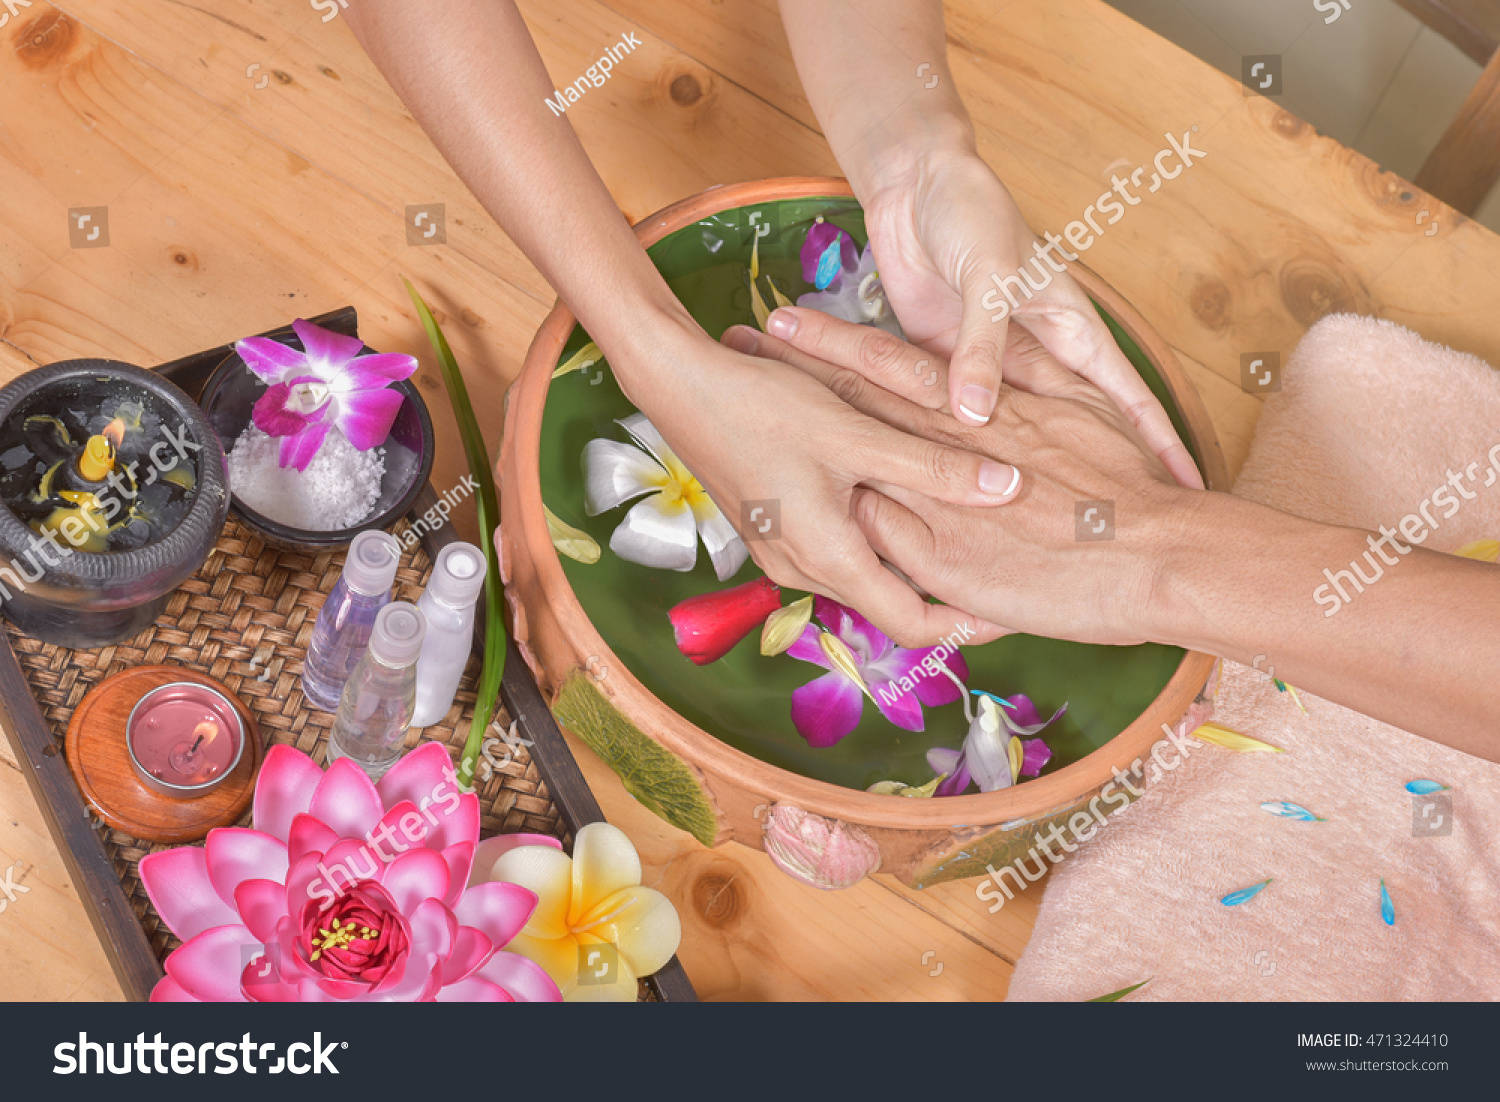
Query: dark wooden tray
[[37, 740]]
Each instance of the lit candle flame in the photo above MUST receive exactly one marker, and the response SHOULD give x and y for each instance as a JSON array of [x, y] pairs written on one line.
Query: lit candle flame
[[114, 432], [205, 733]]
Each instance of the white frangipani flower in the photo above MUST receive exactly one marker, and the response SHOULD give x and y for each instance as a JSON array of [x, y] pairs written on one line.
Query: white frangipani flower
[[663, 530]]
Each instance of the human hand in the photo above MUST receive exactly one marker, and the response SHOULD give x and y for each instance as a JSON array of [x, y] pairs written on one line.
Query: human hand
[[944, 230], [1023, 566], [752, 429]]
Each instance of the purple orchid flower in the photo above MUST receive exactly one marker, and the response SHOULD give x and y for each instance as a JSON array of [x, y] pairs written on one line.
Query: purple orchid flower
[[329, 384], [848, 286], [985, 757], [861, 661]]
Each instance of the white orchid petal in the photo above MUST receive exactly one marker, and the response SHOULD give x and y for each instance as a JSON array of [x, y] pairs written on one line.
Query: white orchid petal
[[645, 434], [1025, 730], [656, 534], [725, 547], [615, 472], [986, 749]]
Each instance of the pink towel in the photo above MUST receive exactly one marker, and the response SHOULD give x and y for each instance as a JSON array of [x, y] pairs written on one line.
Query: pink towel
[[1369, 422]]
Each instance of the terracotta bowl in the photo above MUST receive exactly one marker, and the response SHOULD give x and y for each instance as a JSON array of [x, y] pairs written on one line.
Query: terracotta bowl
[[767, 792]]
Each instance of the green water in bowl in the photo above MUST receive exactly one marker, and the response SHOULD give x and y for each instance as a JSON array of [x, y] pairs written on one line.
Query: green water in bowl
[[745, 698]]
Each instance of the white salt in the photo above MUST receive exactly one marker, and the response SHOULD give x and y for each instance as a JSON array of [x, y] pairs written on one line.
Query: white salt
[[338, 489]]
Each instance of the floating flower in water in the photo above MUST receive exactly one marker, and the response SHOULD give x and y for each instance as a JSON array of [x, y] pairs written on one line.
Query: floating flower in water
[[663, 530], [325, 385], [911, 792], [785, 626], [862, 661], [595, 929], [346, 891], [572, 542], [995, 754], [585, 358], [708, 626], [848, 285]]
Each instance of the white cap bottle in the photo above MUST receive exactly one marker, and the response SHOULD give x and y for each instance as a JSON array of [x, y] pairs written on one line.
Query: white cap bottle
[[448, 606]]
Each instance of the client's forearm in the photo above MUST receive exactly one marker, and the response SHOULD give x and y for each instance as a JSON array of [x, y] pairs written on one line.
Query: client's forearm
[[1401, 634]]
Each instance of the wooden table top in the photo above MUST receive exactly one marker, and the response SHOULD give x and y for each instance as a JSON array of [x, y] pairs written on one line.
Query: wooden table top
[[237, 202]]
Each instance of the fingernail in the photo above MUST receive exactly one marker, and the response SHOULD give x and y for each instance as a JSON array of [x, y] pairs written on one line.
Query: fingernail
[[781, 323], [742, 338], [998, 479], [976, 403]]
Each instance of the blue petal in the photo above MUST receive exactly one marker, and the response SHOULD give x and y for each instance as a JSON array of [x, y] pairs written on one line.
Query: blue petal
[[1387, 908], [1290, 811], [1234, 899], [830, 264], [1425, 788], [1000, 700]]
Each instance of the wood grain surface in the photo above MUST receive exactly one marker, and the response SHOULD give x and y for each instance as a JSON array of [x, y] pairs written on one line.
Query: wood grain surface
[[237, 202]]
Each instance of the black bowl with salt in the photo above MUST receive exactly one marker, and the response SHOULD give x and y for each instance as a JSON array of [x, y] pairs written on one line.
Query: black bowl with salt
[[337, 472]]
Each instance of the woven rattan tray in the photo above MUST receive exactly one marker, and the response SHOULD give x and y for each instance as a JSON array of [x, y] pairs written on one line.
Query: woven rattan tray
[[246, 618]]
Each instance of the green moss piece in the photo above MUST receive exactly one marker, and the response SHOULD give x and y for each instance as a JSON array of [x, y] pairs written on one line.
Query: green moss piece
[[656, 777]]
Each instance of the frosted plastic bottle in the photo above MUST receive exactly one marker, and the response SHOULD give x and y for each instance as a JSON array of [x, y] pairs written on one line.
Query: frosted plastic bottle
[[448, 606], [375, 711], [343, 627]]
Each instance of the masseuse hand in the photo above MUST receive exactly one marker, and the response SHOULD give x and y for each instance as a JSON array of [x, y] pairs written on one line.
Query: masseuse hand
[[1022, 566], [753, 429], [940, 229]]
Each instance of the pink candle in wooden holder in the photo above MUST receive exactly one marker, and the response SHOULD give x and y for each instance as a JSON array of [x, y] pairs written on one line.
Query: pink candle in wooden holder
[[184, 739]]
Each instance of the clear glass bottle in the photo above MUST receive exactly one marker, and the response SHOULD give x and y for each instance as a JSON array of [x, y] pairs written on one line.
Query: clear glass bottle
[[342, 630], [447, 604], [375, 711]]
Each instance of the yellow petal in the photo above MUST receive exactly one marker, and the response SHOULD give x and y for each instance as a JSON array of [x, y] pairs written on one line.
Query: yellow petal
[[784, 626], [604, 861], [1215, 735], [611, 979], [581, 360], [641, 923], [757, 304], [842, 659], [759, 308], [1483, 550], [781, 299], [1013, 749], [558, 957], [549, 873], [572, 542]]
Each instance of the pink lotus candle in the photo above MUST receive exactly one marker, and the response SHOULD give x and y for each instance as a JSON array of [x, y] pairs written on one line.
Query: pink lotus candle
[[184, 739]]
